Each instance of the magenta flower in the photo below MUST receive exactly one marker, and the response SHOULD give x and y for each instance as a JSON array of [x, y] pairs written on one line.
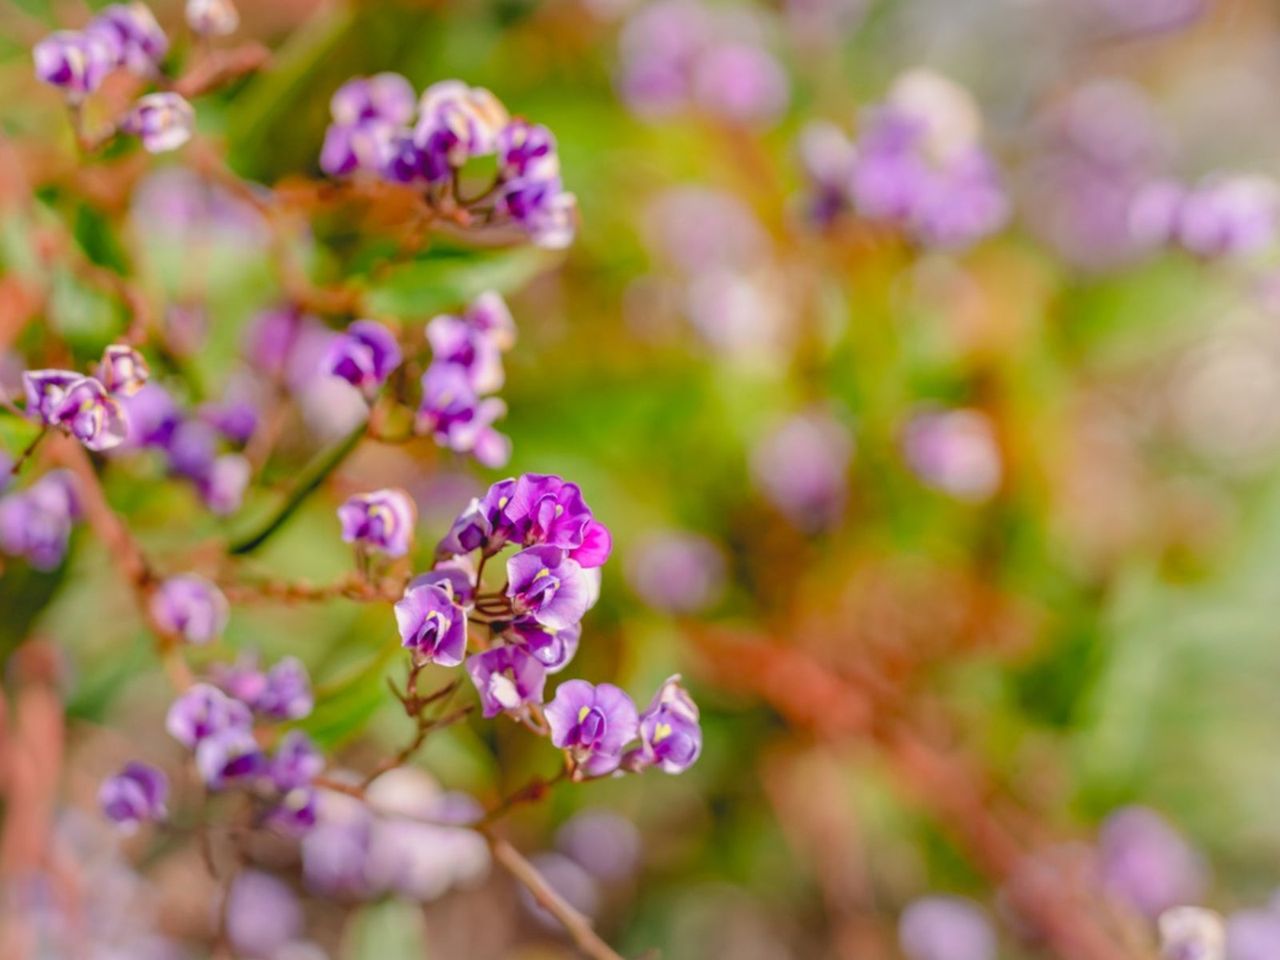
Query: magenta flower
[[137, 794], [123, 371], [212, 18], [162, 121], [132, 34], [190, 607], [507, 679], [670, 735], [546, 584], [364, 356], [382, 520], [203, 711], [432, 624], [553, 649], [594, 723], [544, 509], [286, 692]]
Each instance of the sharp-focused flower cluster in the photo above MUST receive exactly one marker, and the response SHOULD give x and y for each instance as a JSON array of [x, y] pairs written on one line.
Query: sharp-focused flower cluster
[[216, 721], [35, 523], [679, 55], [380, 129], [201, 446], [534, 625], [86, 407], [122, 36], [918, 164], [466, 367]]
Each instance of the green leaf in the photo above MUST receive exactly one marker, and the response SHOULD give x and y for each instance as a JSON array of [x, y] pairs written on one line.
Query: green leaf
[[344, 706], [437, 283], [391, 930]]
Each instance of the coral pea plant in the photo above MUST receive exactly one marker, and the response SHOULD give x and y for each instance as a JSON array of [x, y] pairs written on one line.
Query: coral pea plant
[[503, 603]]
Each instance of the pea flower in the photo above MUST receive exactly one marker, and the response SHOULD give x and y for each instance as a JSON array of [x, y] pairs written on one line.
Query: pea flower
[[387, 97], [545, 583], [123, 370], [431, 623], [35, 523], [162, 121], [507, 679], [212, 18], [286, 692], [136, 795], [455, 123], [670, 735], [552, 648], [458, 418], [229, 756], [203, 711], [364, 356], [296, 762], [382, 520], [78, 405], [73, 62], [470, 345], [190, 607], [594, 723], [131, 32], [544, 509]]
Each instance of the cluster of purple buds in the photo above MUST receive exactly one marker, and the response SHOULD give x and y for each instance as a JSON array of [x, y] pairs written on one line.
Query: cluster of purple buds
[[137, 794], [190, 608], [381, 522], [364, 355], [35, 523], [679, 55], [217, 723], [194, 445], [121, 35], [381, 130], [919, 164], [1221, 216], [466, 366], [88, 408]]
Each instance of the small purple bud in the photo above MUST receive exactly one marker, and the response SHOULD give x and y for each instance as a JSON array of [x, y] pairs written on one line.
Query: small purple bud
[[123, 371], [223, 484], [190, 607], [296, 813], [132, 32], [364, 356], [432, 624], [382, 520], [162, 121], [136, 795], [594, 723], [203, 711], [73, 62], [507, 679], [36, 523]]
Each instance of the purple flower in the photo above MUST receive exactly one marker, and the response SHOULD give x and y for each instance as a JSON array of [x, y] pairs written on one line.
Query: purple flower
[[525, 148], [458, 574], [236, 420], [123, 371], [456, 341], [1253, 935], [212, 18], [553, 649], [670, 735], [241, 680], [162, 121], [296, 762], [541, 206], [471, 530], [36, 523], [74, 62], [384, 96], [190, 607], [203, 711], [222, 486], [457, 418], [801, 467], [740, 82], [677, 572], [228, 756], [954, 451], [946, 928], [79, 405], [507, 679], [594, 723], [544, 509], [296, 812], [263, 915], [152, 415], [364, 356], [457, 122], [432, 624], [545, 583], [286, 694], [1229, 216], [348, 148], [489, 314], [136, 795], [827, 157], [131, 32], [1146, 863], [382, 520]]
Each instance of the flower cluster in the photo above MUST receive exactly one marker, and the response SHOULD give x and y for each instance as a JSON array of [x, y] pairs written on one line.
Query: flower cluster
[[918, 164], [466, 366], [217, 723], [679, 54], [381, 130], [35, 523], [195, 445], [121, 36], [86, 407], [534, 625]]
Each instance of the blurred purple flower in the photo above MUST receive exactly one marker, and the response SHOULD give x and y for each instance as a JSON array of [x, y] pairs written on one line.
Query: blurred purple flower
[[132, 33], [35, 523], [1146, 863], [286, 694], [946, 928], [136, 795], [677, 572], [123, 370], [262, 914], [190, 607], [203, 711], [801, 467], [364, 356], [381, 521], [606, 845], [229, 756], [383, 96], [162, 121], [1253, 935], [212, 18], [78, 405], [72, 61], [954, 451], [296, 762]]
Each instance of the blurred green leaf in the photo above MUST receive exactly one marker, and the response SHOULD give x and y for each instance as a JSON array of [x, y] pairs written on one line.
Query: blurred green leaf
[[392, 930], [344, 706], [436, 283]]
